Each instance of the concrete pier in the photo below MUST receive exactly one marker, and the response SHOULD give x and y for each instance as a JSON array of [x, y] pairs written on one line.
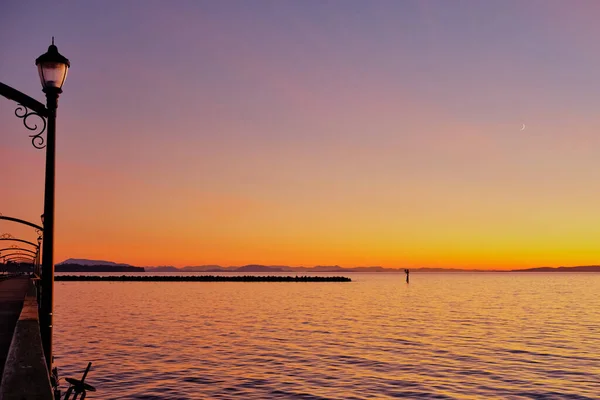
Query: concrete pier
[[24, 372], [12, 295]]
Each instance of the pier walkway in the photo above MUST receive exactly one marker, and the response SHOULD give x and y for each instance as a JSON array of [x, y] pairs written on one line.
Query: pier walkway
[[12, 295]]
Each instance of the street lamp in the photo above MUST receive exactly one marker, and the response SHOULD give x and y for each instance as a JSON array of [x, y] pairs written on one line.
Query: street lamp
[[52, 68]]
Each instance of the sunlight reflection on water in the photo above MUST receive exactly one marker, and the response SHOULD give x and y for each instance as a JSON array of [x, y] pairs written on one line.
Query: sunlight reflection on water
[[503, 335]]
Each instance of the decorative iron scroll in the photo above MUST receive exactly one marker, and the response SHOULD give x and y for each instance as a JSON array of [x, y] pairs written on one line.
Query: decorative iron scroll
[[37, 140]]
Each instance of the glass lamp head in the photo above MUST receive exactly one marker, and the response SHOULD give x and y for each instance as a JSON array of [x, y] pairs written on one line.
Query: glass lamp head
[[53, 68]]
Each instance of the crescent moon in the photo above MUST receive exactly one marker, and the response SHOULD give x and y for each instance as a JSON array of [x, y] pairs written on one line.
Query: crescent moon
[[523, 127]]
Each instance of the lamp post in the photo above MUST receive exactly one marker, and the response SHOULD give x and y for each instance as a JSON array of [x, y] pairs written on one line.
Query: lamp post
[[52, 68]]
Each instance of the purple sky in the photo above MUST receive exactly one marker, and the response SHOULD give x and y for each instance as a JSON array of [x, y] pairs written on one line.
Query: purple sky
[[346, 132]]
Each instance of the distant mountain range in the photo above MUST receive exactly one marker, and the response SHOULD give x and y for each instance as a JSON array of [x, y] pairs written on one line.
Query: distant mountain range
[[83, 261], [581, 268], [84, 265]]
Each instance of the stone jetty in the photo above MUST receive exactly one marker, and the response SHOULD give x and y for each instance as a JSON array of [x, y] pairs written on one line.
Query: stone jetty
[[200, 278]]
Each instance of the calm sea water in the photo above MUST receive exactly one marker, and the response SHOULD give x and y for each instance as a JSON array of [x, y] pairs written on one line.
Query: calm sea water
[[443, 336]]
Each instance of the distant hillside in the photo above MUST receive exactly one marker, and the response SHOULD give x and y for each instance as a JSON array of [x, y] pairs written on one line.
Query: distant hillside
[[82, 261], [582, 268], [203, 268], [455, 270], [328, 268], [96, 268], [258, 268], [162, 268]]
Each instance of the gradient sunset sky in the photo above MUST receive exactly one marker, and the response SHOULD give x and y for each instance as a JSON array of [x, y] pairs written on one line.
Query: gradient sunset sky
[[354, 133]]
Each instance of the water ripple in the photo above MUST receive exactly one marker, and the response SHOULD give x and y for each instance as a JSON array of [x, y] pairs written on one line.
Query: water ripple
[[444, 336]]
